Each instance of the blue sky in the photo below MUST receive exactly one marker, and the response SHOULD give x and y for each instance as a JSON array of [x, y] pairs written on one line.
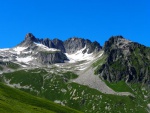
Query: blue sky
[[90, 19]]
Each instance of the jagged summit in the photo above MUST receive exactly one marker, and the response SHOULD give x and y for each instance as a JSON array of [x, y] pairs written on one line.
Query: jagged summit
[[72, 45], [29, 40], [116, 42], [126, 60], [30, 36], [51, 68], [33, 50]]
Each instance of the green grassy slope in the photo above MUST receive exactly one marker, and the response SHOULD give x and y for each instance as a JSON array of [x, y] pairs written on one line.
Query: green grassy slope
[[120, 86], [59, 88], [14, 101]]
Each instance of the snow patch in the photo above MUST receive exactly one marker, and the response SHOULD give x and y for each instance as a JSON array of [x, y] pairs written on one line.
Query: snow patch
[[25, 59], [27, 52], [19, 49], [23, 65], [81, 68], [79, 56], [45, 47], [4, 49], [57, 65]]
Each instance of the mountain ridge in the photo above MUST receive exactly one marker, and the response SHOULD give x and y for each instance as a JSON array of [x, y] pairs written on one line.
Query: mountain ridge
[[64, 46], [81, 74], [126, 61]]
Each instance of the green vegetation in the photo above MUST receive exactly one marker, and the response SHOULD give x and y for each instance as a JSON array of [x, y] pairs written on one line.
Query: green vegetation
[[139, 58], [27, 77], [9, 65], [70, 75], [59, 88], [141, 93], [12, 65], [117, 66], [131, 64], [98, 64], [119, 86], [14, 101], [1, 68], [100, 61]]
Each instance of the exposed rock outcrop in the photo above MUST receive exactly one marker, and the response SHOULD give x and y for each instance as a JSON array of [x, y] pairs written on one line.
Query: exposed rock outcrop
[[74, 44], [29, 39], [69, 46], [126, 60], [50, 57]]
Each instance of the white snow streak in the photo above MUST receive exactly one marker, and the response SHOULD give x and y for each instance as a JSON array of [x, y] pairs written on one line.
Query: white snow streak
[[79, 56], [46, 48], [4, 49], [25, 59], [19, 49]]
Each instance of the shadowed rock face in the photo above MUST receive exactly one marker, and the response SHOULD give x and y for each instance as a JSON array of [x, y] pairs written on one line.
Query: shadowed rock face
[[29, 39], [47, 42], [51, 58], [59, 45], [74, 44], [126, 61], [71, 45]]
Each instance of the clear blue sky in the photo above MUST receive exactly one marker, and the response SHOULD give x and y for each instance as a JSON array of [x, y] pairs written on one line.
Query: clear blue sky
[[90, 19]]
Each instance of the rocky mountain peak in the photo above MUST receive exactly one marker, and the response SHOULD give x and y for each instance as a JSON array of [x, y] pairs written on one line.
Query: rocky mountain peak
[[29, 40], [30, 37], [116, 42], [59, 44], [74, 44]]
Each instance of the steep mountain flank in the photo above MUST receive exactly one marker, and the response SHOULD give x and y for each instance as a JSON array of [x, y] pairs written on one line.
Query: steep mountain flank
[[126, 60], [74, 44], [71, 45], [51, 57], [46, 51]]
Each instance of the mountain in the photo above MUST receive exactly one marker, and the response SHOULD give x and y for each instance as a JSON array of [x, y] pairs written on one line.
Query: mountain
[[35, 51], [81, 74], [71, 45], [126, 60]]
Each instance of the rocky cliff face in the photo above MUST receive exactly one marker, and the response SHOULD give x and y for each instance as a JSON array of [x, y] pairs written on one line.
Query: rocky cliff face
[[59, 45], [126, 61], [69, 46], [44, 51], [47, 42], [29, 39], [74, 44], [50, 57]]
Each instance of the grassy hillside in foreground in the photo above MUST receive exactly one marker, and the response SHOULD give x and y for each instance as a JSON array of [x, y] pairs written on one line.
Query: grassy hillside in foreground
[[14, 101], [59, 88]]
